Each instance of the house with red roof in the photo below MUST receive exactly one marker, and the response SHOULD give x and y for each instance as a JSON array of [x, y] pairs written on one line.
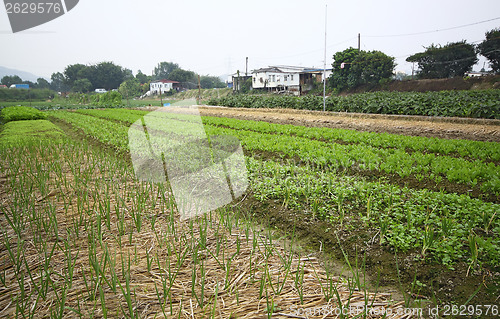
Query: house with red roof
[[162, 86]]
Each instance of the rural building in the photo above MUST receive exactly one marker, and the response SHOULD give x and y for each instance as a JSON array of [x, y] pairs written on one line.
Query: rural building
[[163, 86], [296, 80], [276, 79], [310, 76], [236, 80]]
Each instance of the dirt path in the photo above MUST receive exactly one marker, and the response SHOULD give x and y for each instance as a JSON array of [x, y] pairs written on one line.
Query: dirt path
[[450, 128]]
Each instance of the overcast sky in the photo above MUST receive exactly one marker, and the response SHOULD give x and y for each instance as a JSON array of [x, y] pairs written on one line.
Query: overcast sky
[[214, 37]]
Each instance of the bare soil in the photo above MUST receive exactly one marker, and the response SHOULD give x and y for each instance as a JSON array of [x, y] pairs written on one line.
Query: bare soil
[[449, 128]]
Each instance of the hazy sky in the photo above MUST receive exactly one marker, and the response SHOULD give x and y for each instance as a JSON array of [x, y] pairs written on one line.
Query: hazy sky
[[214, 37]]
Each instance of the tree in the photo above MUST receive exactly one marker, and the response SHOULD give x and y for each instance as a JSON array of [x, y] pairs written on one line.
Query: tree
[[210, 82], [130, 88], [183, 76], [57, 82], [8, 80], [31, 84], [82, 86], [107, 75], [41, 83], [163, 70], [127, 74], [75, 72], [352, 68], [142, 78], [490, 48], [451, 60]]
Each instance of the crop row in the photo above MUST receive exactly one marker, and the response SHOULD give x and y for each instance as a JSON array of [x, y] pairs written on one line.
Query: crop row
[[456, 170], [462, 148], [104, 131], [359, 156], [21, 113], [436, 224], [477, 104], [123, 115]]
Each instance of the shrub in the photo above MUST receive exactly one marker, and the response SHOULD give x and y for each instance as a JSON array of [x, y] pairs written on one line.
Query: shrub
[[106, 99], [15, 95]]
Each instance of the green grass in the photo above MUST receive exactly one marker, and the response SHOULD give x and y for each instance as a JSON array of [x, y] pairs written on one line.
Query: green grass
[[20, 133], [20, 113]]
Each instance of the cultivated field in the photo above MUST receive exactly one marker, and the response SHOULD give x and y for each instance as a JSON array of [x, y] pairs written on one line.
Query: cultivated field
[[343, 214]]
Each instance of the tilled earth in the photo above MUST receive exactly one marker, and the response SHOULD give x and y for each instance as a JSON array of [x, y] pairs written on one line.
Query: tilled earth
[[450, 128]]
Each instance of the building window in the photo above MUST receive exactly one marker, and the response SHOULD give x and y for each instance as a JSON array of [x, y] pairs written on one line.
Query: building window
[[274, 78], [286, 78], [291, 77]]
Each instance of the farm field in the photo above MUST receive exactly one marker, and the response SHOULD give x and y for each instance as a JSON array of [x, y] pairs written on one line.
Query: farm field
[[334, 218]]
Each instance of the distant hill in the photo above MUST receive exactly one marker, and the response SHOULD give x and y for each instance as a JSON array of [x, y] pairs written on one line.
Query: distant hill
[[26, 76]]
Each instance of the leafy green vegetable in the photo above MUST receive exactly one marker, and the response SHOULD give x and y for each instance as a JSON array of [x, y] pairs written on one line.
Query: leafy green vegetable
[[19, 133], [20, 113], [477, 104]]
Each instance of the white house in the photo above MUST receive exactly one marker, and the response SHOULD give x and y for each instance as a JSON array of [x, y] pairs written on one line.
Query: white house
[[161, 86], [293, 79], [275, 78]]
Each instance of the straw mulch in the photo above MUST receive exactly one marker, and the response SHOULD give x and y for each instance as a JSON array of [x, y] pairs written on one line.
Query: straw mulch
[[215, 266]]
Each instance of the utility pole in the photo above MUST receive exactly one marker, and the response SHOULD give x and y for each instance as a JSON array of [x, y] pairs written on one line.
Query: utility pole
[[237, 81], [199, 89], [359, 42], [246, 70], [324, 64], [161, 99]]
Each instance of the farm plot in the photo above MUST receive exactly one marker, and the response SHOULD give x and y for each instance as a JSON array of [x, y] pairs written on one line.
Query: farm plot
[[432, 202], [81, 237]]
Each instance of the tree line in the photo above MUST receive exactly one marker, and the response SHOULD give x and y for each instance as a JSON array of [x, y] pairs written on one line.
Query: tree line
[[81, 78], [352, 67]]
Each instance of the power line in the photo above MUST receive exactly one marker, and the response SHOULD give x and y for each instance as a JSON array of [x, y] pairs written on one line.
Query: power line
[[432, 31]]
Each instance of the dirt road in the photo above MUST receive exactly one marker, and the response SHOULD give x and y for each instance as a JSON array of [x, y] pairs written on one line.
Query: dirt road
[[450, 128]]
